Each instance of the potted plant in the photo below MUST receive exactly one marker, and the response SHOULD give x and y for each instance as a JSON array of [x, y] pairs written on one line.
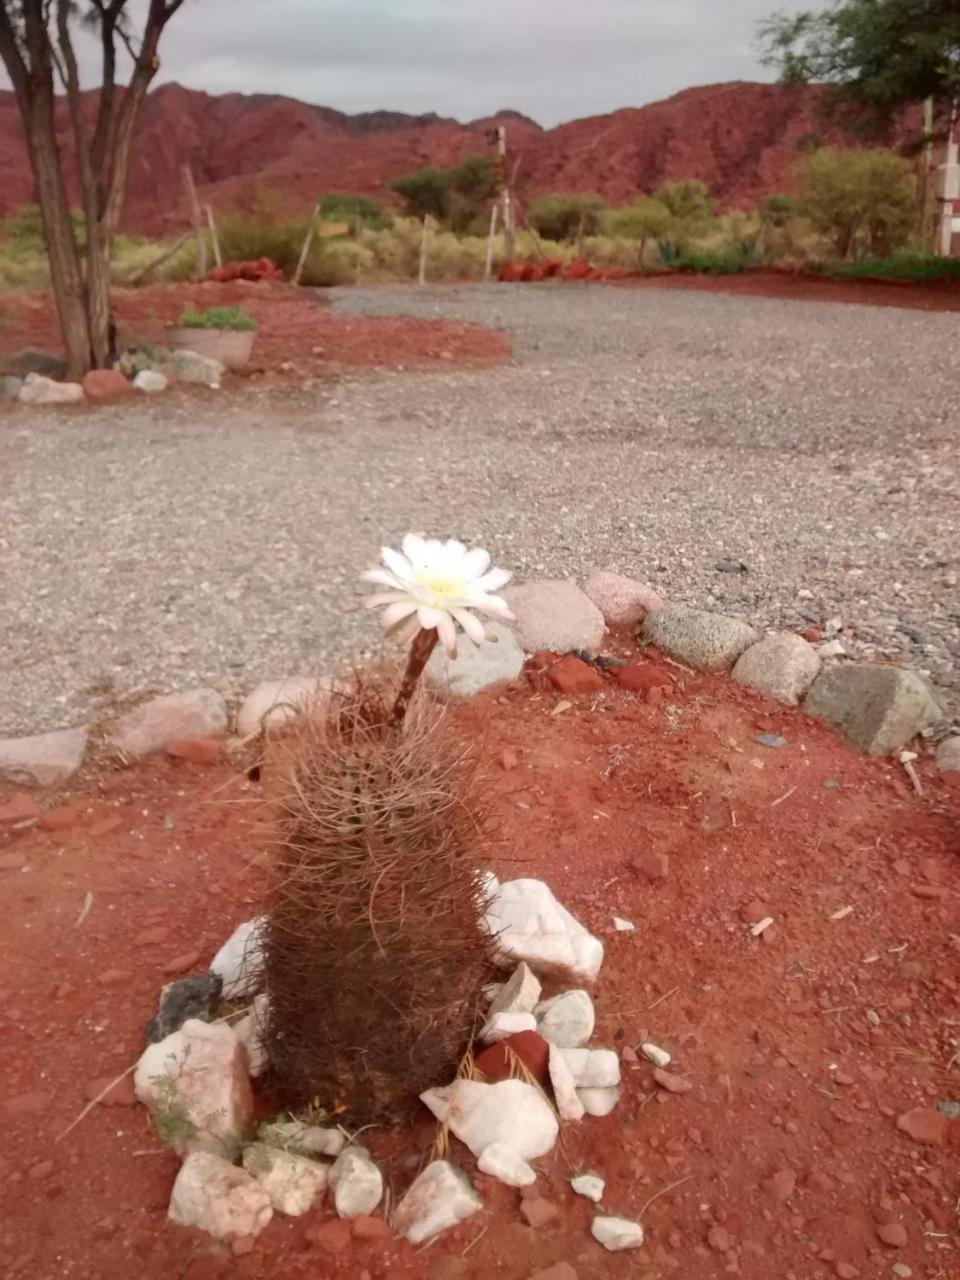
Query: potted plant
[[221, 333]]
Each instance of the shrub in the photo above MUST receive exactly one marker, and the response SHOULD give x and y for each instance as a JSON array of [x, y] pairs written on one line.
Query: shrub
[[778, 210], [710, 262], [645, 220], [215, 318], [905, 266], [691, 210], [863, 200], [359, 211], [425, 193], [560, 217]]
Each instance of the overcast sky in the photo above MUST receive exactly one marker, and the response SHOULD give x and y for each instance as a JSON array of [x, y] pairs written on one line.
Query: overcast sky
[[552, 59]]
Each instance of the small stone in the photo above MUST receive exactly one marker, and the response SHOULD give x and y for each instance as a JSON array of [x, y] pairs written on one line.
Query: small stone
[[44, 760], [672, 1084], [773, 740], [508, 759], [537, 1212], [28, 1104], [150, 381], [160, 721], [925, 1125], [642, 677], [718, 1238], [650, 865], [510, 1111], [37, 389], [311, 1140], [616, 1233], [623, 601], [569, 1106], [599, 1101], [948, 755], [593, 1068], [105, 386], [239, 962], [366, 1227], [196, 997], [212, 1194], [10, 387], [495, 1062], [292, 1182], [557, 616], [476, 667], [567, 1020], [704, 641], [356, 1182], [653, 1053], [872, 1017], [502, 1162], [893, 1234], [502, 1025], [845, 1271], [878, 709], [781, 667], [782, 1185], [528, 923], [276, 702], [251, 1031], [575, 678], [623, 926], [519, 994], [42, 1169], [439, 1198], [180, 963], [189, 366], [589, 1186], [902, 1270]]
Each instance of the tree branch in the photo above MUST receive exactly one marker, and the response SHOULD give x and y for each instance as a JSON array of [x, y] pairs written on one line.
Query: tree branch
[[11, 54]]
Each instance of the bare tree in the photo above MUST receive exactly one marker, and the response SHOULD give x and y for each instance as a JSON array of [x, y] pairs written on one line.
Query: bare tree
[[37, 48]]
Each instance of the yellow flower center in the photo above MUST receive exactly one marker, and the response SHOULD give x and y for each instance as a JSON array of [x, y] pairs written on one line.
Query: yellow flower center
[[439, 586]]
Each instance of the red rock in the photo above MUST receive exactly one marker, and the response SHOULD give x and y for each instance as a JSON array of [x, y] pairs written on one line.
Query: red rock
[[892, 1233], [41, 1170], [370, 1228], [640, 677], [28, 1104], [923, 1124], [509, 759], [782, 1185], [651, 865], [333, 1236], [573, 677], [813, 635], [537, 1212], [119, 1092], [530, 1047], [114, 977], [672, 1083], [718, 1238], [753, 912], [19, 808], [104, 386], [841, 1077], [151, 937], [845, 1271], [180, 964], [242, 1245], [196, 750], [61, 818], [932, 891]]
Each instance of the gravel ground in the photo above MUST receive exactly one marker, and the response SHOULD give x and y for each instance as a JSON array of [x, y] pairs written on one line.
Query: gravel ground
[[202, 538]]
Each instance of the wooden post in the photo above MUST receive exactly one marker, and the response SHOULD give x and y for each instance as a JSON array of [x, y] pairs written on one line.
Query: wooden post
[[193, 207], [215, 239], [509, 247], [305, 247], [488, 264], [422, 275]]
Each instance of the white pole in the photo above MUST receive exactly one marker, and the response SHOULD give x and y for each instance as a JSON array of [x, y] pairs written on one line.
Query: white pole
[[422, 277], [508, 232], [488, 265]]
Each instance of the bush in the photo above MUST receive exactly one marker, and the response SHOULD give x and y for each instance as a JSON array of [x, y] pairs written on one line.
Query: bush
[[359, 211], [215, 318], [425, 193], [711, 262], [644, 220], [905, 266], [691, 212], [865, 200], [560, 217]]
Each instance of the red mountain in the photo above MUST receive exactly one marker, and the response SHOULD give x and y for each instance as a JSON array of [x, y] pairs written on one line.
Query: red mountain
[[742, 139]]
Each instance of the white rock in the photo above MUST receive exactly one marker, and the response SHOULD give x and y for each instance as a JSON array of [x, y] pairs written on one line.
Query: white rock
[[198, 713], [502, 1162], [623, 926], [528, 923], [653, 1053], [779, 666], [519, 994], [565, 1094], [439, 1198], [292, 1182], [251, 1032], [197, 1078], [214, 1195], [599, 1102], [566, 1020], [37, 389], [239, 962], [43, 760], [617, 1233], [510, 1111], [589, 1185], [150, 381], [623, 601], [190, 366], [475, 667], [275, 702], [502, 1025], [557, 616], [831, 649], [356, 1181], [948, 755], [304, 1139], [593, 1068]]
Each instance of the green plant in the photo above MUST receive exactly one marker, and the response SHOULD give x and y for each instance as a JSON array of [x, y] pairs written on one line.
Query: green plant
[[426, 193], [644, 220], [863, 200], [562, 217], [710, 262], [905, 266], [778, 209], [359, 211], [216, 318]]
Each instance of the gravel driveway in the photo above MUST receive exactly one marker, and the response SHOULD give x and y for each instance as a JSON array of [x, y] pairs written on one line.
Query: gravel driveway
[[197, 538]]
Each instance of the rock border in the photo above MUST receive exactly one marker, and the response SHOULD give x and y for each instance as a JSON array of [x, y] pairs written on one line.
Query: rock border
[[877, 708]]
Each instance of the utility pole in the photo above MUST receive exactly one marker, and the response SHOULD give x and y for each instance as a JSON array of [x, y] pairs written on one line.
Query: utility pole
[[949, 188], [498, 138]]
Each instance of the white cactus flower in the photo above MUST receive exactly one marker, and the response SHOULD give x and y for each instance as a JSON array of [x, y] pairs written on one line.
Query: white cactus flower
[[433, 584]]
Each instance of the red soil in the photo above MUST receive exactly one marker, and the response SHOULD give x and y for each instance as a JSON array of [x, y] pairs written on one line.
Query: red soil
[[293, 327], [801, 1047]]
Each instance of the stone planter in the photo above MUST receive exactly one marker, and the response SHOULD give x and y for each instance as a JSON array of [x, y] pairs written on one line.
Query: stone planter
[[231, 347]]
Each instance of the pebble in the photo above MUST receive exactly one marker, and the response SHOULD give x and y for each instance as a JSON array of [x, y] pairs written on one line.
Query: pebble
[[537, 1212], [902, 1270], [653, 1053], [925, 1125], [773, 740], [672, 1083], [651, 865], [588, 1185], [41, 1170], [782, 1184], [892, 1233], [845, 1271], [718, 1238]]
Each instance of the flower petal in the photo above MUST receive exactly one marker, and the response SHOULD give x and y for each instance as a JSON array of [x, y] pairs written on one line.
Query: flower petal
[[472, 625], [382, 578], [380, 598], [395, 613], [429, 616], [448, 634], [414, 548], [492, 581], [494, 606], [397, 563], [475, 563]]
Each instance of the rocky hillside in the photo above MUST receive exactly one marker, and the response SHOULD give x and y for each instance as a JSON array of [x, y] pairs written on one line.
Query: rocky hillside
[[741, 138]]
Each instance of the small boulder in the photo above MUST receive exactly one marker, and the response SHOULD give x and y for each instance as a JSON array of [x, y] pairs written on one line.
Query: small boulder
[[43, 760], [704, 641], [292, 1182], [475, 667], [275, 702], [556, 616], [150, 381], [196, 997], [10, 387], [589, 1186], [214, 1195], [155, 724], [781, 667], [511, 1112], [593, 1068], [439, 1198], [304, 1139], [503, 1025], [877, 709], [569, 1106], [356, 1182], [502, 1162], [616, 1233], [566, 1020], [575, 678], [105, 386], [948, 755], [528, 923], [599, 1101], [520, 992], [195, 1084], [188, 366], [239, 962], [497, 1061], [925, 1125], [37, 389], [623, 601]]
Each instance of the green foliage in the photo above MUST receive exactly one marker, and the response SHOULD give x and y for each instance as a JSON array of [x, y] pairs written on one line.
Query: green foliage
[[778, 210], [711, 262], [357, 210], [645, 220], [906, 266], [560, 217], [426, 193], [863, 200], [691, 215], [216, 318], [879, 54]]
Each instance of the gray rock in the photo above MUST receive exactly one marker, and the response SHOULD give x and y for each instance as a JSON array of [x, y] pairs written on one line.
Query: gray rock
[[188, 366], [10, 387], [210, 1193], [356, 1182], [37, 389], [439, 1198], [150, 381], [948, 755], [155, 724], [877, 709], [617, 1233], [29, 360], [623, 601], [194, 997], [292, 1181], [567, 1019], [782, 667], [475, 667], [275, 702], [705, 641], [44, 760], [555, 615]]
